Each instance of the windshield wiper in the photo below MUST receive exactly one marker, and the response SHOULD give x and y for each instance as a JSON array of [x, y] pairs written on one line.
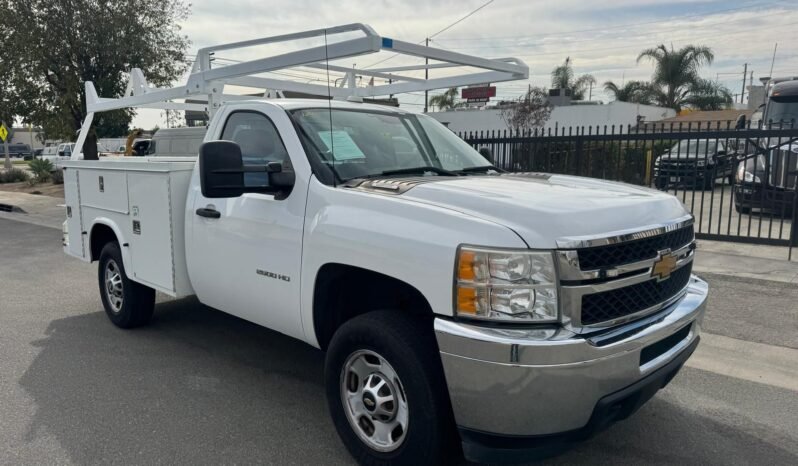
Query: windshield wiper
[[422, 169], [480, 169]]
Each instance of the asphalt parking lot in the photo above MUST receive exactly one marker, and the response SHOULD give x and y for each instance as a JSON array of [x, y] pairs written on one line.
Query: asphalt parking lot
[[201, 387]]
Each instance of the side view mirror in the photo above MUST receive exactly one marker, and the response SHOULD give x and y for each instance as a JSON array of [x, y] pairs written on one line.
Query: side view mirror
[[221, 169], [222, 173], [61, 153]]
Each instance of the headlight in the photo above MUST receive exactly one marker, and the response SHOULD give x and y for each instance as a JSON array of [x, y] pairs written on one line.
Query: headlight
[[506, 285], [744, 175], [701, 162]]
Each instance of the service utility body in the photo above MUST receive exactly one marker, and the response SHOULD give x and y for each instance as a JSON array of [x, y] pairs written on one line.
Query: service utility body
[[461, 308]]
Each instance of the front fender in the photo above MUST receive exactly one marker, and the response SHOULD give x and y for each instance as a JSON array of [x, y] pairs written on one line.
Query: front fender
[[410, 241]]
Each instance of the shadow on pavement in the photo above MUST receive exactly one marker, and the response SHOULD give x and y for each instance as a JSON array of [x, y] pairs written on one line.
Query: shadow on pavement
[[197, 386]]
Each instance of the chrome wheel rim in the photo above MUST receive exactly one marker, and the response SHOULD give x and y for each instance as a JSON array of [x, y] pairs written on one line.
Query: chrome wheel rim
[[374, 400], [113, 285]]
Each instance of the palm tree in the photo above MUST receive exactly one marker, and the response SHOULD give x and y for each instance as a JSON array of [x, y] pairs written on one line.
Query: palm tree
[[708, 95], [639, 92], [445, 101], [676, 71], [562, 77]]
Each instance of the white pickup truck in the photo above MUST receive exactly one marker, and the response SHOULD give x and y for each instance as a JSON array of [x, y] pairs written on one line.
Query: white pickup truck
[[507, 313]]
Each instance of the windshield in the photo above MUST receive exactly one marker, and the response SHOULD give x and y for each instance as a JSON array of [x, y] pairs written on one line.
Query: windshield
[[693, 148], [362, 144], [782, 112]]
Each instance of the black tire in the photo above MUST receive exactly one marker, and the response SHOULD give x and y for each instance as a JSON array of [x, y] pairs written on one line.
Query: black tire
[[709, 181], [409, 347], [741, 210], [137, 302]]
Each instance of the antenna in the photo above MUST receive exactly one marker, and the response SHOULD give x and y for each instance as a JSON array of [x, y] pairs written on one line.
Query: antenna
[[329, 106]]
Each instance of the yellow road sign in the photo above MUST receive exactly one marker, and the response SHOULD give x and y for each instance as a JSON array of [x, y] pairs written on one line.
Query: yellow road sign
[[3, 132]]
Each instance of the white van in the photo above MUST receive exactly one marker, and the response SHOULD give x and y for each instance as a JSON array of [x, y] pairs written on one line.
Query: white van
[[177, 142]]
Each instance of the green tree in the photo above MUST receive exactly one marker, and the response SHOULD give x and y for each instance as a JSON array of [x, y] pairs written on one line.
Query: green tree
[[639, 92], [52, 47], [562, 77], [676, 76], [528, 112], [445, 101], [708, 95]]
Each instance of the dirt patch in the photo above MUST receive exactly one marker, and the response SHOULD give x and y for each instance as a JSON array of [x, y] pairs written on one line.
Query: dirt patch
[[43, 189]]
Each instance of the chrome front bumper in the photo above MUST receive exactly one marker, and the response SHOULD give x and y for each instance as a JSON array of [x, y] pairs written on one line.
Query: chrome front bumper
[[530, 382]]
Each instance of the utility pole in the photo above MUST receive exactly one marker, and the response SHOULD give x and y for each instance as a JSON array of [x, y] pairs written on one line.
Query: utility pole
[[426, 77], [772, 62], [745, 75], [7, 164]]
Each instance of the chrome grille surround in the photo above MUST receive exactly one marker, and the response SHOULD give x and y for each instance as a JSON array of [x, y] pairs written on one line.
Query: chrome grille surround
[[574, 283]]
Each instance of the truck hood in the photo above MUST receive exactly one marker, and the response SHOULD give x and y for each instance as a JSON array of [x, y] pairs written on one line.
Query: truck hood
[[544, 208]]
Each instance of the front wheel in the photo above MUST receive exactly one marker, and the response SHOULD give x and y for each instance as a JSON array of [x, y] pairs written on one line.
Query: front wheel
[[386, 391], [128, 304]]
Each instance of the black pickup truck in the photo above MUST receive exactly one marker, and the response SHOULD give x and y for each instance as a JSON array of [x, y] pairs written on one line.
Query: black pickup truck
[[695, 164]]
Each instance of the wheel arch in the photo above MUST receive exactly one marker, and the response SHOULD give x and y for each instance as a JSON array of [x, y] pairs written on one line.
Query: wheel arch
[[342, 292], [102, 232]]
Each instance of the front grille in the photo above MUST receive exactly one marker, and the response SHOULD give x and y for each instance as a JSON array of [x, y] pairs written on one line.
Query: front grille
[[621, 302], [613, 255]]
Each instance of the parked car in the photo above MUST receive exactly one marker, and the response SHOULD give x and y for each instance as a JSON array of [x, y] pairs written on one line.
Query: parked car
[[768, 181], [57, 154], [18, 150], [695, 164]]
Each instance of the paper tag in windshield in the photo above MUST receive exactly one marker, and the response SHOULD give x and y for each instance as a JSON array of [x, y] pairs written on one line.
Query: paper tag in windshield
[[342, 146]]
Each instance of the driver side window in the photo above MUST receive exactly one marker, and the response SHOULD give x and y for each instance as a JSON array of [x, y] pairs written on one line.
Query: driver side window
[[260, 143]]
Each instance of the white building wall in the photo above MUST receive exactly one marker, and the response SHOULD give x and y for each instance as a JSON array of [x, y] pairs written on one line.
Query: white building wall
[[614, 113], [25, 136]]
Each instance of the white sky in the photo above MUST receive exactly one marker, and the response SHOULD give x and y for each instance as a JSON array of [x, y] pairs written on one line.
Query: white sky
[[602, 37]]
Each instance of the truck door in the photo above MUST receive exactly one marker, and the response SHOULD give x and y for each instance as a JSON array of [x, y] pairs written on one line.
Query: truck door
[[247, 261]]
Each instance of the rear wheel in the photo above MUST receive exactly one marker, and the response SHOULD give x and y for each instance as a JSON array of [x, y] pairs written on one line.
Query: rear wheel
[[709, 180], [386, 391], [128, 304]]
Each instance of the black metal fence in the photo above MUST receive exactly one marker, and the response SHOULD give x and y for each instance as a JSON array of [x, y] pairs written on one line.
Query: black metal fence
[[740, 184]]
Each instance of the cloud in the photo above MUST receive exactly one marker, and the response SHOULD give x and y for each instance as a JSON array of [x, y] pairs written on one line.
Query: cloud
[[602, 37]]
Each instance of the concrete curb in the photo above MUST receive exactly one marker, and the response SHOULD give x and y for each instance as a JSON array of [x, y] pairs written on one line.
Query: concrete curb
[[746, 267]]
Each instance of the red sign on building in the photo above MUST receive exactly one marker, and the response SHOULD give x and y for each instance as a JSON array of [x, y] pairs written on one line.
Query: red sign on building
[[479, 93]]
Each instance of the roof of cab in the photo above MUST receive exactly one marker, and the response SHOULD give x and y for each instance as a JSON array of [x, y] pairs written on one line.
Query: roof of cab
[[785, 88]]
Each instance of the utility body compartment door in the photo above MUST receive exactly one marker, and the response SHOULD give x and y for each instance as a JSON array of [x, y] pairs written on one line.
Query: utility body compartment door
[[74, 216], [247, 261]]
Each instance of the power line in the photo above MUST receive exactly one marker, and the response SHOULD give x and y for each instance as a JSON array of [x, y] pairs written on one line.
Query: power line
[[442, 30], [593, 39], [461, 19]]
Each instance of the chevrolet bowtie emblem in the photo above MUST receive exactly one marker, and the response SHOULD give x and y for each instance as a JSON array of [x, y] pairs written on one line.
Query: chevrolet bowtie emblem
[[664, 265]]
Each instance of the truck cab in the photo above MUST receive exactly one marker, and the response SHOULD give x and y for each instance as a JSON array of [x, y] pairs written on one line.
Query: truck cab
[[767, 181]]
